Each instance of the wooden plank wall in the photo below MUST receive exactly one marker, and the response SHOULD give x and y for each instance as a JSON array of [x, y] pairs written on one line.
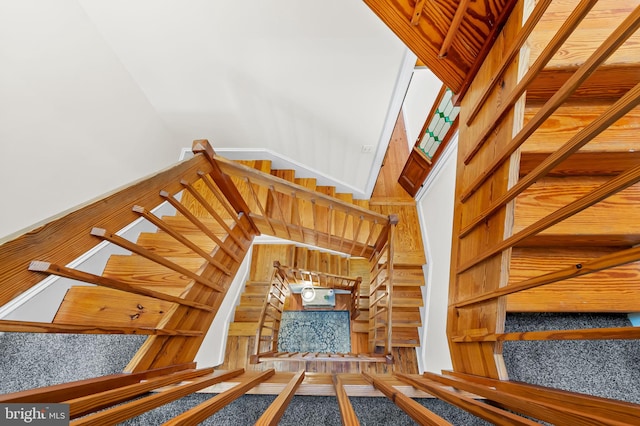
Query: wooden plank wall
[[483, 358]]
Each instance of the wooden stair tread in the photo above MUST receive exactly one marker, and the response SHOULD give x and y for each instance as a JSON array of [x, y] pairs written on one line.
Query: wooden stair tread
[[167, 246], [88, 305], [566, 121], [613, 290], [613, 219], [185, 226], [243, 328], [137, 270]]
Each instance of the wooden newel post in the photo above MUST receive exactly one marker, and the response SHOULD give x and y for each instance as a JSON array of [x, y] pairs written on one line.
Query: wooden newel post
[[224, 182]]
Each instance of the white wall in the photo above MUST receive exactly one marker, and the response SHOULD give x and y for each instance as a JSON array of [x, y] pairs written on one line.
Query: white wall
[[73, 123], [422, 92], [435, 207]]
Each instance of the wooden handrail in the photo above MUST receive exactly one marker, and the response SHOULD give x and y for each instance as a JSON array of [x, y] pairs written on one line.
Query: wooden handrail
[[98, 400], [45, 327], [546, 404], [480, 409], [613, 333], [201, 412], [80, 388], [74, 274], [272, 415], [612, 260], [224, 182], [283, 186], [417, 412], [136, 407]]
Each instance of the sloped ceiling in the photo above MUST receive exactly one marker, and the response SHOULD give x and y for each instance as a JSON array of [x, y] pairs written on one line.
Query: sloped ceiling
[[310, 80]]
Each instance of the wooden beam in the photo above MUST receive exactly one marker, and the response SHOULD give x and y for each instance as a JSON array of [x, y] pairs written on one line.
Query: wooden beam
[[134, 408], [554, 45], [616, 184], [45, 327], [416, 411], [201, 412], [616, 333], [274, 413], [80, 388], [74, 274], [135, 248], [625, 104], [604, 262], [347, 414], [480, 409], [99, 400], [453, 28]]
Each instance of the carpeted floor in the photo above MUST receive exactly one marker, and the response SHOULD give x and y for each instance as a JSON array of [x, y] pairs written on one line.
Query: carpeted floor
[[314, 331], [604, 368]]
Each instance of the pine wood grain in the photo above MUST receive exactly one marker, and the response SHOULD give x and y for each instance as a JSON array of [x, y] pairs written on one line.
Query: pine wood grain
[[104, 306]]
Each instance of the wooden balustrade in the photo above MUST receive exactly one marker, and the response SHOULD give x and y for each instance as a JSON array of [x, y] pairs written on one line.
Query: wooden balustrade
[[491, 191], [381, 291], [277, 203]]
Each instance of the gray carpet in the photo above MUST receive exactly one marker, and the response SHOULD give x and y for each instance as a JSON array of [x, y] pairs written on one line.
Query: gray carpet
[[604, 368]]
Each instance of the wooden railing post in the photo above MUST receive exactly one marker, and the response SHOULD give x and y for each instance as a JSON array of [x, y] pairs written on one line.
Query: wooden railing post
[[224, 182]]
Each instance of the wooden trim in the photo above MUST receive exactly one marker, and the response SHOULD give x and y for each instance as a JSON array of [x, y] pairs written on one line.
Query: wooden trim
[[625, 104], [557, 413], [135, 248], [524, 33], [74, 274], [274, 413], [45, 327], [432, 112], [480, 409], [80, 388], [134, 408], [554, 45], [201, 412], [615, 333], [612, 260], [416, 411], [347, 414], [453, 28], [177, 236], [613, 410], [614, 185], [65, 238], [98, 400], [626, 29], [224, 182]]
